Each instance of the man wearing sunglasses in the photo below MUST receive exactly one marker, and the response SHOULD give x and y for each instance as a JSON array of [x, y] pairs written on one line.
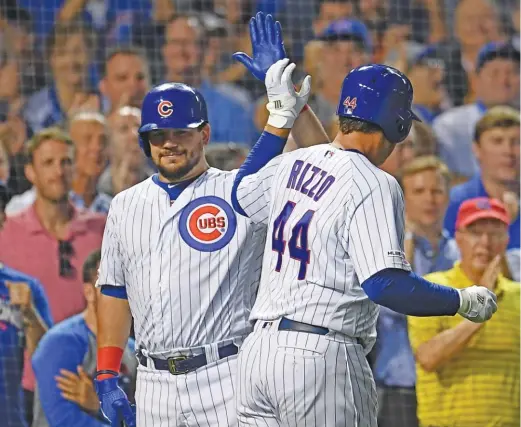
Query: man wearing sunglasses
[[51, 238]]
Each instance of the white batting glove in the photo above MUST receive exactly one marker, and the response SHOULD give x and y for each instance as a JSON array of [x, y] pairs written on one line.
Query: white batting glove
[[285, 104], [477, 303]]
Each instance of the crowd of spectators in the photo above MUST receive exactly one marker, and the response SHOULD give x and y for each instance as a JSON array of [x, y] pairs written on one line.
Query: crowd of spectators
[[73, 74]]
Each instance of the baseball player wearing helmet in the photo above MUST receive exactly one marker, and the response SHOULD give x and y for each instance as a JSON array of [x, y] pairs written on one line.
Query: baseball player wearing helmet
[[177, 259], [334, 251]]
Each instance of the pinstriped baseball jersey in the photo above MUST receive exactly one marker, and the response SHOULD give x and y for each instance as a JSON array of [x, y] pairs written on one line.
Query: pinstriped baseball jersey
[[191, 268], [334, 219]]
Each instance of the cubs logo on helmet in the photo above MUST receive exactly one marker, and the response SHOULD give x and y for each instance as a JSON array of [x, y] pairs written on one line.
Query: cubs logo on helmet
[[164, 108], [207, 224]]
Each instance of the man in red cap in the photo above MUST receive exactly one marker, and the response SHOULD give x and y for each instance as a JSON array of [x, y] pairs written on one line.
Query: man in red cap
[[468, 373]]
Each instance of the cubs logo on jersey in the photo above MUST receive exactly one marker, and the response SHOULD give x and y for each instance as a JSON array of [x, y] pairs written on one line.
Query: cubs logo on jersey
[[207, 224]]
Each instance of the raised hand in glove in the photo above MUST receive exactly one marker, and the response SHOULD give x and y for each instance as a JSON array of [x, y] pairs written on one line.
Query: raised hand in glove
[[114, 402], [267, 46], [284, 102], [477, 303]]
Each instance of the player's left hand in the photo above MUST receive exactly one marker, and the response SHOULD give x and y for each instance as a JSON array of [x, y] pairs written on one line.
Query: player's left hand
[[477, 303], [284, 102], [114, 403], [267, 46]]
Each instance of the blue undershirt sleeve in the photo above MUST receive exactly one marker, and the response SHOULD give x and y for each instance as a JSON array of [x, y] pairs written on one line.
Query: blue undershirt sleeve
[[267, 147], [407, 293], [114, 291]]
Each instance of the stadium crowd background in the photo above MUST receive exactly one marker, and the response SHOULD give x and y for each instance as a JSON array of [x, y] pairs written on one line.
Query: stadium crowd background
[[74, 73]]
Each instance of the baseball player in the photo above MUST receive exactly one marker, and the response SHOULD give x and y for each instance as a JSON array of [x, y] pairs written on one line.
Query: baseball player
[[334, 250], [177, 259]]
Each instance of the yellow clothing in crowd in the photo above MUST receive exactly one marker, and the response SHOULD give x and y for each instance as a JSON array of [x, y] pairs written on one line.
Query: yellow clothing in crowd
[[479, 387]]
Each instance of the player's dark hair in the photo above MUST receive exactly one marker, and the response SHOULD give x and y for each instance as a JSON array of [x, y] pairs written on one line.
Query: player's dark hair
[[349, 125], [90, 267], [126, 51]]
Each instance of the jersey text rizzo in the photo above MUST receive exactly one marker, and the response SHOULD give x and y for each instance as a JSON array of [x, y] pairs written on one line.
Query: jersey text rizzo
[[334, 220]]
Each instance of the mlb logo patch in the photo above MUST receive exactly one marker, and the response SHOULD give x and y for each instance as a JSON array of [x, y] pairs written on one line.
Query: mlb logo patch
[[329, 154]]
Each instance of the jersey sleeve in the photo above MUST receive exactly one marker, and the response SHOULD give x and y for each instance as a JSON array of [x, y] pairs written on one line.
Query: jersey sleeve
[[254, 192], [112, 268], [376, 227]]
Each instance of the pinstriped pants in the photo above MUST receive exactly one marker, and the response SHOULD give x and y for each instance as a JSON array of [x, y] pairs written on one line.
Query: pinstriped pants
[[296, 379], [203, 398]]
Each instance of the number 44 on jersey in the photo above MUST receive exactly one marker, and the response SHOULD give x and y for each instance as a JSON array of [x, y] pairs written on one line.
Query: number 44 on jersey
[[298, 242]]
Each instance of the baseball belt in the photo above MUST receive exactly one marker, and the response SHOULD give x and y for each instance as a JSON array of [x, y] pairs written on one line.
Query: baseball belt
[[180, 365], [286, 324]]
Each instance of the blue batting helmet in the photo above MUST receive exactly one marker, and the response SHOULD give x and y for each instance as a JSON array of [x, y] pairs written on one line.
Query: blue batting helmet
[[171, 106], [380, 95]]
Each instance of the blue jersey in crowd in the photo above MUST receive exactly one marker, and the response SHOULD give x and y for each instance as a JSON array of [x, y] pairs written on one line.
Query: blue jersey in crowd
[[12, 344]]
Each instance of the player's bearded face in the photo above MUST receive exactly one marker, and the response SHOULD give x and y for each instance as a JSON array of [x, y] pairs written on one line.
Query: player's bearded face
[[175, 152]]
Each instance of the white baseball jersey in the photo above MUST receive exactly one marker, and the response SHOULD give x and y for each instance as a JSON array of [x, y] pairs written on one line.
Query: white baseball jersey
[[190, 268], [334, 219]]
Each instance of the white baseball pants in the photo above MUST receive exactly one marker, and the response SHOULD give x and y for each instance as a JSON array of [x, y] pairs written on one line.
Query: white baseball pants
[[203, 398], [296, 379]]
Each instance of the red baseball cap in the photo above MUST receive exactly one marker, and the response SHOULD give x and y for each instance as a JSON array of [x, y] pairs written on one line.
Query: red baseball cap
[[481, 208]]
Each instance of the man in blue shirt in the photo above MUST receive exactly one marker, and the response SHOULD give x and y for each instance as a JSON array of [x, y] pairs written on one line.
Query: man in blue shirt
[[425, 182], [24, 318], [65, 362], [496, 148], [183, 52]]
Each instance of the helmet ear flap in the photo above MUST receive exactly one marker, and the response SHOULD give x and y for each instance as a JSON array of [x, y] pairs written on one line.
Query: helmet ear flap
[[403, 128], [144, 144]]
